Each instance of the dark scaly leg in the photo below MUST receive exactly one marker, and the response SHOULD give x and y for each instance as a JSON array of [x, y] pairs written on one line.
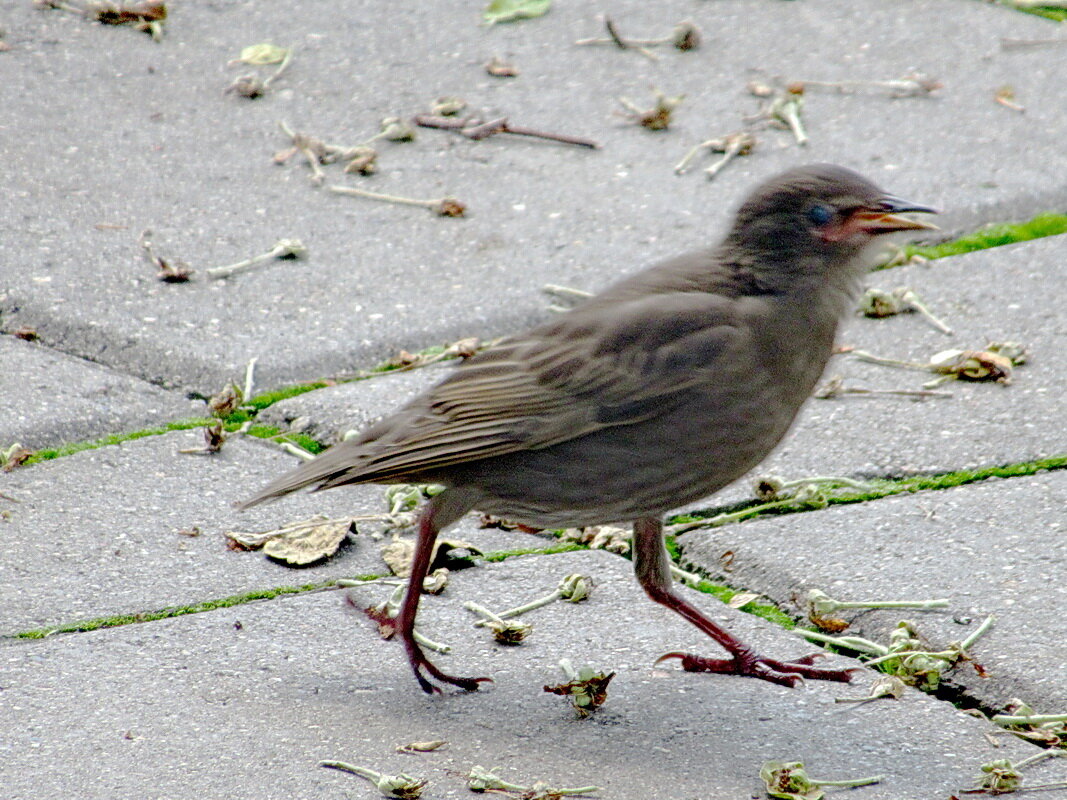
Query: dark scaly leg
[[652, 565], [441, 511]]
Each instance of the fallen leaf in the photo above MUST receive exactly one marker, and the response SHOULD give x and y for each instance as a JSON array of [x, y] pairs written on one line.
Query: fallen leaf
[[742, 599], [264, 53], [397, 555], [421, 747], [513, 10], [300, 542]]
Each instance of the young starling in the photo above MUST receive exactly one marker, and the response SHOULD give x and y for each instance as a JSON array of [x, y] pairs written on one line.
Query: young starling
[[656, 393]]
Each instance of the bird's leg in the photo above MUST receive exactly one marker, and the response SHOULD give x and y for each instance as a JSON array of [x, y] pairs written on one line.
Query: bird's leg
[[652, 565], [440, 511]]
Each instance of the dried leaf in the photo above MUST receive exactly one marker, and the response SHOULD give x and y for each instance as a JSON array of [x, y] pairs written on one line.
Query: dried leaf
[[600, 537], [787, 779], [226, 401], [436, 581], [588, 691], [450, 207], [973, 365], [450, 550], [310, 541], [421, 747], [397, 555], [514, 10], [14, 456], [300, 542], [742, 599], [499, 68]]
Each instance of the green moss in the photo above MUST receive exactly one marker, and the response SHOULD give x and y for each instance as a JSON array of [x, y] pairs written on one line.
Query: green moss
[[994, 236], [270, 432], [50, 453], [176, 611], [1058, 14], [265, 399], [494, 556], [887, 487]]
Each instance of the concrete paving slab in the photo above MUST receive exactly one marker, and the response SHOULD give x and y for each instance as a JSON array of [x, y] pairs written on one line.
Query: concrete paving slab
[[997, 294], [159, 145], [51, 398], [245, 701], [97, 533], [991, 548]]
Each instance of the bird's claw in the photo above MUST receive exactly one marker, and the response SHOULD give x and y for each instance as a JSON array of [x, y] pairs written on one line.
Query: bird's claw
[[419, 662], [751, 665]]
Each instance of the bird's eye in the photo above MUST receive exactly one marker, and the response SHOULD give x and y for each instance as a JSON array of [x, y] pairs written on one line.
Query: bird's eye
[[820, 215]]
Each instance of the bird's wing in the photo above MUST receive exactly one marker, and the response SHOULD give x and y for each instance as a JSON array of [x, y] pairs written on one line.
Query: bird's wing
[[576, 375], [561, 381]]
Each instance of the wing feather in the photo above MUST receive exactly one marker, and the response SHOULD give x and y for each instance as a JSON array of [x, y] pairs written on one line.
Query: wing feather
[[564, 380]]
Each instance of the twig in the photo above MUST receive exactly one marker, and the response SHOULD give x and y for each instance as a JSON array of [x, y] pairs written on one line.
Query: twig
[[1009, 43], [250, 377], [739, 143], [615, 38], [476, 129], [835, 388], [285, 248], [445, 207], [1005, 95], [915, 85]]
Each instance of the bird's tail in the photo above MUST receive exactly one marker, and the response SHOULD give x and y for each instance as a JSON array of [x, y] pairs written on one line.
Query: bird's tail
[[335, 466]]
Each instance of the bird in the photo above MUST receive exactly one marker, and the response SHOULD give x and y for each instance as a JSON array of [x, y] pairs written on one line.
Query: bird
[[655, 393]]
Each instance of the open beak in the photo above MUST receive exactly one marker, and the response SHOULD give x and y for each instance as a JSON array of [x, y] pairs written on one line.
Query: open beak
[[883, 217]]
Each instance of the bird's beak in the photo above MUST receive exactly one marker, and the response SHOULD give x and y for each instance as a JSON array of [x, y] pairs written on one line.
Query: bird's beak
[[883, 217]]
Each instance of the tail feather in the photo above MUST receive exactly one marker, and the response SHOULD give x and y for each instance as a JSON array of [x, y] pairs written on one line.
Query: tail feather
[[331, 464]]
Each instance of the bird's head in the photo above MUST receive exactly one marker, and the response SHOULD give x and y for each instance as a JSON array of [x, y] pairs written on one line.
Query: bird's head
[[819, 214]]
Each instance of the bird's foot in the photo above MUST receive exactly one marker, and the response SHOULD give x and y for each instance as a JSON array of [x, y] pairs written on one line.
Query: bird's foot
[[420, 663], [752, 665]]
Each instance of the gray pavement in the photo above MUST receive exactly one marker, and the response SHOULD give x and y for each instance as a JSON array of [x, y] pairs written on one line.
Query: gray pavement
[[99, 533], [996, 547], [105, 134], [56, 398], [146, 138], [245, 702]]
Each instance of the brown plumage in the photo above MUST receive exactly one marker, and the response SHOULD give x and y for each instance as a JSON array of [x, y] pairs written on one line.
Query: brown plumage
[[658, 392]]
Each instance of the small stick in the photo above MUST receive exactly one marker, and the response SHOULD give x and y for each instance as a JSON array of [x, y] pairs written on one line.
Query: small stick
[[476, 129], [445, 207], [786, 108], [1013, 44], [835, 389], [736, 144], [1031, 719], [908, 86], [1005, 95], [285, 248], [250, 377], [300, 142], [616, 39], [281, 68]]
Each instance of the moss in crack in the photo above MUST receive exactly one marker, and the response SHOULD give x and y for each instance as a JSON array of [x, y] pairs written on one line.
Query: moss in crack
[[266, 399], [1048, 12], [177, 611], [767, 611], [1042, 225], [270, 432], [494, 556], [888, 487], [49, 453]]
